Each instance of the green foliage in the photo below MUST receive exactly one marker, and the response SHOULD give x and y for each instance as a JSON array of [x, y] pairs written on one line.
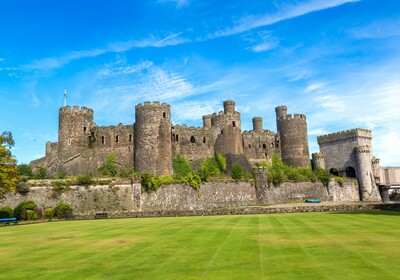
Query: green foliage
[[48, 213], [109, 167], [127, 173], [340, 180], [40, 173], [22, 187], [60, 186], [31, 215], [237, 171], [61, 174], [279, 172], [84, 180], [6, 212], [26, 205], [8, 168], [24, 170], [194, 180], [209, 167], [181, 166], [152, 182], [221, 162], [62, 211]]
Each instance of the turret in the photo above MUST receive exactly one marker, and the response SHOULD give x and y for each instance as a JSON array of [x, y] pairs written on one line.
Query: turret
[[292, 131], [229, 106], [152, 149], [376, 170], [74, 131], [364, 170], [207, 121], [257, 123], [318, 160]]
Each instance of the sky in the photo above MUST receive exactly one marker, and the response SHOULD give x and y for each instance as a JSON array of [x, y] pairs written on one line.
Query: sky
[[336, 61]]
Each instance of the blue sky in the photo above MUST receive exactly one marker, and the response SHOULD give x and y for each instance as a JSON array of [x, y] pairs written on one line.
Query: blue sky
[[337, 61]]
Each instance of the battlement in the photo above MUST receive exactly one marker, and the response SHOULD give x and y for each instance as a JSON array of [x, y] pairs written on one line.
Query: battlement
[[67, 109], [229, 106], [375, 160], [156, 104], [207, 117], [362, 149], [280, 108], [257, 119], [319, 155], [344, 135], [290, 117]]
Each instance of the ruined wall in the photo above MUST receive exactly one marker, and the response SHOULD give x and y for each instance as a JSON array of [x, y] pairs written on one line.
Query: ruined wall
[[259, 145], [210, 195], [116, 140], [192, 142]]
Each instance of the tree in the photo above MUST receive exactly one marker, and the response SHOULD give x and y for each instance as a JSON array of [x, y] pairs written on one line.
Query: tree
[[8, 164], [181, 166], [24, 170], [109, 167]]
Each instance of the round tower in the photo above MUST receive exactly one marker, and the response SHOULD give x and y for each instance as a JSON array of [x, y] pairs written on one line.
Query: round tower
[[364, 170], [73, 131], [229, 106], [153, 147], [376, 170], [207, 121], [293, 136], [257, 123], [318, 160]]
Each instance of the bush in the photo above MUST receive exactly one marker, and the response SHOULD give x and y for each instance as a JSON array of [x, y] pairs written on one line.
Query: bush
[[24, 170], [127, 173], [22, 187], [62, 211], [61, 174], [40, 173], [6, 212], [151, 182], [84, 180], [194, 180], [109, 167], [237, 171], [181, 166], [221, 162], [48, 213], [23, 207], [209, 167], [31, 215]]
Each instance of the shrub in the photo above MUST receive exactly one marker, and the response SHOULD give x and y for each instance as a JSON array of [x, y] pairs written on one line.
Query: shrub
[[109, 167], [181, 166], [209, 167], [24, 170], [151, 182], [83, 180], [22, 207], [127, 173], [48, 213], [61, 174], [237, 171], [40, 173], [31, 215], [6, 212], [221, 162], [22, 187], [62, 211], [194, 180]]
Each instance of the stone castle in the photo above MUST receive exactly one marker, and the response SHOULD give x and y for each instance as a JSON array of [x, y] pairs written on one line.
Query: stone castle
[[153, 141]]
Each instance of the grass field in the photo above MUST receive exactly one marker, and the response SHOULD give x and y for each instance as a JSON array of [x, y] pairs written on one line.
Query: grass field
[[362, 245]]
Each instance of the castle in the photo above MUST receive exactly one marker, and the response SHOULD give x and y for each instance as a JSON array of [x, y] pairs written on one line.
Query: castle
[[153, 141]]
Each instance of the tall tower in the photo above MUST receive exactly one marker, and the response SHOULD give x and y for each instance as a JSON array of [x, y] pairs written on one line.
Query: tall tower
[[227, 130], [74, 131], [292, 131], [257, 123], [153, 148], [318, 160], [364, 171]]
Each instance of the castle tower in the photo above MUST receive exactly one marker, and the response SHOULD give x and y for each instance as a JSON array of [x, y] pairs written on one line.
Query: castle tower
[[364, 171], [292, 131], [207, 121], [226, 127], [318, 160], [257, 123], [74, 131], [153, 148], [376, 170]]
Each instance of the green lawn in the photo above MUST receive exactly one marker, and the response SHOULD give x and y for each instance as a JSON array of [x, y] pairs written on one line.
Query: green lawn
[[363, 245]]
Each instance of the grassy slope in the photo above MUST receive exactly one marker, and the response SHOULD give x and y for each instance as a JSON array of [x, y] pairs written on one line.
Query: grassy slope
[[284, 246]]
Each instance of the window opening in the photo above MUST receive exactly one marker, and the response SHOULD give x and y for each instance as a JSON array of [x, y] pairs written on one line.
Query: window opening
[[192, 139]]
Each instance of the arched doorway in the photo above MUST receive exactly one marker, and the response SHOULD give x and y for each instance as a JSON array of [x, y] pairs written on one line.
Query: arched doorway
[[334, 171], [350, 172]]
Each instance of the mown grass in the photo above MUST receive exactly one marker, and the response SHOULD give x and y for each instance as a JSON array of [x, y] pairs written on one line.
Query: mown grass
[[362, 245]]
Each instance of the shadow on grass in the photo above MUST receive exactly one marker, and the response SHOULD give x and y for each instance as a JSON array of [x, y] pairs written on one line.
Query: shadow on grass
[[370, 212]]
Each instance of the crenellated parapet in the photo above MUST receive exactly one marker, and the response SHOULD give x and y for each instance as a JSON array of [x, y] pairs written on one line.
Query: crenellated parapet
[[363, 149], [346, 135], [257, 123]]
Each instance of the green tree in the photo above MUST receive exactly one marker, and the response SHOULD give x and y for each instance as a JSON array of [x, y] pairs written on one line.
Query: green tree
[[181, 166], [221, 161], [109, 167], [24, 170], [237, 171], [8, 164], [40, 173]]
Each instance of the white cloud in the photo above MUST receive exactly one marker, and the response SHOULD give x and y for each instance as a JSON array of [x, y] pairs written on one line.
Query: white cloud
[[314, 87], [377, 29], [285, 13], [193, 110], [120, 67], [261, 41]]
